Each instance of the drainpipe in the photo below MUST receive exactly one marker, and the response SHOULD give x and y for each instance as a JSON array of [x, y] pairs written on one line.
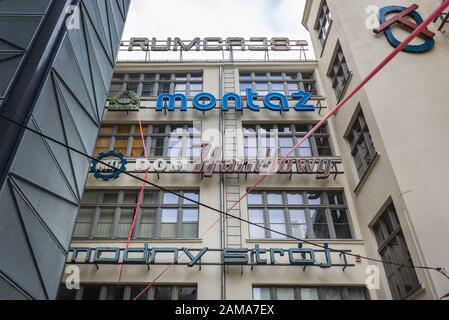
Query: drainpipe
[[222, 204]]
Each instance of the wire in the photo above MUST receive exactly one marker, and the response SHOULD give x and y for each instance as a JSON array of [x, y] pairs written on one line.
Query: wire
[[202, 204], [139, 201], [390, 57]]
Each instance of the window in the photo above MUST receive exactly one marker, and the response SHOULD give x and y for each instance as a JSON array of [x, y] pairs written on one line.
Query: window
[[310, 293], [285, 83], [361, 144], [109, 215], [323, 23], [177, 140], [393, 248], [153, 84], [258, 139], [302, 214], [129, 292], [339, 73]]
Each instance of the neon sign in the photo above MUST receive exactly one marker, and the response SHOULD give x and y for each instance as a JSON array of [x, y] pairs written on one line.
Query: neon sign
[[401, 17], [117, 165], [213, 44], [300, 256], [274, 101]]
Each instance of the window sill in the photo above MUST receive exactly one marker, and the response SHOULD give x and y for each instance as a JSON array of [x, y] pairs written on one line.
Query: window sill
[[414, 293], [366, 174]]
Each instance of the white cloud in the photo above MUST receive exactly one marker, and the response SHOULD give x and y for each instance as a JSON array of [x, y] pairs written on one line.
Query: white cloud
[[222, 18]]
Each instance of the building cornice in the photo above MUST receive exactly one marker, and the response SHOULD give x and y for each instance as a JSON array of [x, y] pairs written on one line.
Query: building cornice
[[306, 13]]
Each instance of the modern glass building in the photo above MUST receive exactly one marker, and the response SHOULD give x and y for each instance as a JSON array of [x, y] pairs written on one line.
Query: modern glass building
[[56, 64]]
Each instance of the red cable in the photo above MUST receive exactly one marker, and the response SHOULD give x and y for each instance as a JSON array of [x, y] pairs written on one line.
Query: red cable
[[333, 111], [371, 75], [139, 202]]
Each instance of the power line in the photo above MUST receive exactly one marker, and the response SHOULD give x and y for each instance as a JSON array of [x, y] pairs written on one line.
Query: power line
[[208, 206]]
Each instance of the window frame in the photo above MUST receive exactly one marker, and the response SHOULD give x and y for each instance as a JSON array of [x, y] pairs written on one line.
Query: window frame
[[358, 134], [254, 78], [189, 134], [127, 289], [338, 64], [324, 18], [393, 272], [293, 134], [119, 205], [140, 82], [265, 206], [344, 291]]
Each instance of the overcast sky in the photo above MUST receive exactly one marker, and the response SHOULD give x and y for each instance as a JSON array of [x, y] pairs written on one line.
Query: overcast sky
[[215, 18]]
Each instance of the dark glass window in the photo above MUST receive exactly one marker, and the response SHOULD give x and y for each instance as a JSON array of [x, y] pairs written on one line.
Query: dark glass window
[[323, 23], [393, 248], [109, 215], [282, 137], [339, 73], [302, 214], [362, 146], [285, 83], [309, 293]]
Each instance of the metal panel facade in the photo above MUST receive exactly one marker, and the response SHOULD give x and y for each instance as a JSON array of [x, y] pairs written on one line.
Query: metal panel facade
[[40, 197]]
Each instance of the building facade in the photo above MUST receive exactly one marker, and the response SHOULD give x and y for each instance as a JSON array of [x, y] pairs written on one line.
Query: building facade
[[301, 205], [395, 171], [56, 63], [381, 195]]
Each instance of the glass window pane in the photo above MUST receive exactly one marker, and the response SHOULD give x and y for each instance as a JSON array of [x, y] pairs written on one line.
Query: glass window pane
[[162, 293], [294, 198], [285, 294], [314, 198], [151, 197], [297, 216], [330, 293], [190, 230], [185, 293], [336, 198], [261, 294], [256, 215], [356, 294], [110, 197], [254, 198], [191, 195], [105, 223], [279, 228], [320, 228], [84, 223], [300, 231], [136, 290], [309, 293], [121, 145], [126, 220], [169, 215], [168, 230], [276, 216], [274, 198], [256, 232], [130, 197], [170, 198], [147, 223], [190, 215]]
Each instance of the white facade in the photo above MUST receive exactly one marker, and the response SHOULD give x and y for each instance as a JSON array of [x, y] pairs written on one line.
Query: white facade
[[407, 174]]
